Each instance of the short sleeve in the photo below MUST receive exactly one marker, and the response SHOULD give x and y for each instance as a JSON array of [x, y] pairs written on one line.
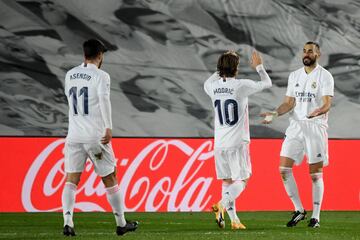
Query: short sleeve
[[327, 86], [290, 87], [104, 84]]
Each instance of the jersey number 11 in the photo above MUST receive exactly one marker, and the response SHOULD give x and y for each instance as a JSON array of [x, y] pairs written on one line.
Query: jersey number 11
[[83, 91]]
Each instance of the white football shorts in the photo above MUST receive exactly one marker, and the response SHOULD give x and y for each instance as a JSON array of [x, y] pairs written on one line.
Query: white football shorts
[[306, 138], [102, 157], [233, 163]]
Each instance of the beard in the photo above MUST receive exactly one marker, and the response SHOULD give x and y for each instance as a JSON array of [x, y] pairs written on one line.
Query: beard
[[308, 61]]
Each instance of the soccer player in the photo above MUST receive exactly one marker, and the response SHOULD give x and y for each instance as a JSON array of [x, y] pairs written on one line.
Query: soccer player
[[308, 99], [87, 89], [229, 97]]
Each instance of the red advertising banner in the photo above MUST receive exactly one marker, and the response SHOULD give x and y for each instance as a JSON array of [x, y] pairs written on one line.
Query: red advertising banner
[[167, 175]]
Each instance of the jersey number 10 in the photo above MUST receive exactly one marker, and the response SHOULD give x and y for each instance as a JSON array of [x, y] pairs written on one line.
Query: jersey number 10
[[224, 112], [83, 91]]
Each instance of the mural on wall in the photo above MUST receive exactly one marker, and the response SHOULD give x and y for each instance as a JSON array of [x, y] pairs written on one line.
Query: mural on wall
[[161, 52]]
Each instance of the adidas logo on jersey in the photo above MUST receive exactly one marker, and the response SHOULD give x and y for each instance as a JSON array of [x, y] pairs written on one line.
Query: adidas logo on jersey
[[297, 85], [319, 155]]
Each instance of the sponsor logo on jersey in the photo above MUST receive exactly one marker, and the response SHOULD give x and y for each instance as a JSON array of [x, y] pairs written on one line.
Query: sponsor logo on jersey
[[304, 96], [223, 90]]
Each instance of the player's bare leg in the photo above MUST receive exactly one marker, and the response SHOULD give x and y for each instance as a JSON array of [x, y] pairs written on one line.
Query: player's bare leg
[[287, 176], [316, 172], [115, 199], [68, 202]]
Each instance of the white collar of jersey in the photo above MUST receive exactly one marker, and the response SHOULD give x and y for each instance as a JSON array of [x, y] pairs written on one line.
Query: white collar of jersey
[[89, 65], [316, 68]]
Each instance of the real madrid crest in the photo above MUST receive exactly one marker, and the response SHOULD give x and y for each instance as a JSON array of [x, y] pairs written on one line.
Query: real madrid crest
[[313, 85]]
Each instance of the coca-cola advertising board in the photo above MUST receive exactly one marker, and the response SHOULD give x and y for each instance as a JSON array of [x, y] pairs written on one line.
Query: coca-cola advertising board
[[167, 175]]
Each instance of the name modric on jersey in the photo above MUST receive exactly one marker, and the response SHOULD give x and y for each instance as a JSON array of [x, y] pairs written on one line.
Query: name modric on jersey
[[223, 90]]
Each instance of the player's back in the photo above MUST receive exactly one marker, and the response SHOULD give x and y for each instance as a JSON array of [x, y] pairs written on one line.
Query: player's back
[[83, 85], [230, 102], [231, 113]]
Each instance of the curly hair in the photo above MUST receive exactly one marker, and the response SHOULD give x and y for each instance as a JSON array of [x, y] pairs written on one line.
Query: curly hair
[[227, 64]]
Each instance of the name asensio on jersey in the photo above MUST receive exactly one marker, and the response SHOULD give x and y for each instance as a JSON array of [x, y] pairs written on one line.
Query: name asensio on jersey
[[80, 76], [223, 91]]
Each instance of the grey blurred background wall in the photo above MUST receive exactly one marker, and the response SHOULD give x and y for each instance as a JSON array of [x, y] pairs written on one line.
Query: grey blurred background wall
[[160, 54]]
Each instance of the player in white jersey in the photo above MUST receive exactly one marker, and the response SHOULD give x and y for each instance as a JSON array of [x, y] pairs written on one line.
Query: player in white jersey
[[308, 99], [87, 89], [229, 97]]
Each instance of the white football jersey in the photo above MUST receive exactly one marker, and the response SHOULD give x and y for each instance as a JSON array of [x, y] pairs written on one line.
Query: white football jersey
[[308, 90], [230, 102], [83, 86]]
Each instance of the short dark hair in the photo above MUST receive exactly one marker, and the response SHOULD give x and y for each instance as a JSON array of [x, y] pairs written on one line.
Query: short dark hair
[[313, 43], [130, 15], [92, 48], [227, 64]]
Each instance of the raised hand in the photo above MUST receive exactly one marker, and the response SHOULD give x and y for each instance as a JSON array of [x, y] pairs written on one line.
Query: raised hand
[[255, 59]]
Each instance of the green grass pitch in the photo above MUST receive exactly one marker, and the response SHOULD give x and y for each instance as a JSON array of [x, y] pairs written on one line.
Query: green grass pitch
[[260, 225]]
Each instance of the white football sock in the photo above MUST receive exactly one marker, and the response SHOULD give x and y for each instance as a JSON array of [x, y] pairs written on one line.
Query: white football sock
[[291, 188], [229, 196], [317, 193], [68, 202], [231, 210], [115, 199]]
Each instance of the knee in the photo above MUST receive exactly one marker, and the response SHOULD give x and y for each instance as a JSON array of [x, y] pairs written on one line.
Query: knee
[[285, 172], [74, 181], [73, 178], [109, 180], [227, 181], [315, 177]]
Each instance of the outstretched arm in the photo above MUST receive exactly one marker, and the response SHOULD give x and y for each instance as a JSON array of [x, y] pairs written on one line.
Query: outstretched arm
[[257, 64], [323, 109], [287, 105], [250, 86]]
